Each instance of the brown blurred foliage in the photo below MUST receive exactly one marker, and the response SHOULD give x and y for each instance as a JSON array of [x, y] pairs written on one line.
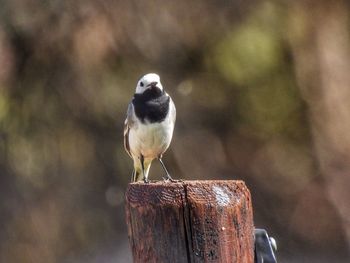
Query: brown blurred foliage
[[261, 89]]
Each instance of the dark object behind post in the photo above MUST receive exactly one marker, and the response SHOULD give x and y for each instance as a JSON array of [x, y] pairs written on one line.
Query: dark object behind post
[[190, 221], [264, 247]]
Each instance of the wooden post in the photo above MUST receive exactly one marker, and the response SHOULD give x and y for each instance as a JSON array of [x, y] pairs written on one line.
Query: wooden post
[[190, 221]]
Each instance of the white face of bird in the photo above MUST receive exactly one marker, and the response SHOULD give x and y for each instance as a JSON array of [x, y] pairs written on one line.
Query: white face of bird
[[148, 81]]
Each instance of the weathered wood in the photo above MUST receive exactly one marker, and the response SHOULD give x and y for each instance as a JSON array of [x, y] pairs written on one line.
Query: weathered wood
[[155, 218], [190, 221]]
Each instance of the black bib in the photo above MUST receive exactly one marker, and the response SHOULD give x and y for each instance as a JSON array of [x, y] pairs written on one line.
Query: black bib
[[152, 105]]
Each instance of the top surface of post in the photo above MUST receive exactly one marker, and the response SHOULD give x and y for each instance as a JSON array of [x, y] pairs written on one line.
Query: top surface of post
[[219, 192], [222, 192]]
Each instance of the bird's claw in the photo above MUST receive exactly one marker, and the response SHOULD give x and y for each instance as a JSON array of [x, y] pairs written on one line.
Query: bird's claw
[[169, 179], [146, 181]]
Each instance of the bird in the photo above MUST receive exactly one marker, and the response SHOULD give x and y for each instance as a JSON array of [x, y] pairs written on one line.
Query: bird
[[149, 126]]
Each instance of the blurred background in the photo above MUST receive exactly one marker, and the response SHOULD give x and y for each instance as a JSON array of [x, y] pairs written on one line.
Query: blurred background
[[262, 90]]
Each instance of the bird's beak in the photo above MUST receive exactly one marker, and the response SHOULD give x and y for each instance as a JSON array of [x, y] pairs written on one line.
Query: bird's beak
[[153, 84]]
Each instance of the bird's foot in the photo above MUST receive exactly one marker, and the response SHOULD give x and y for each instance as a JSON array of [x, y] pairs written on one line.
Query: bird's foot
[[145, 180], [168, 178]]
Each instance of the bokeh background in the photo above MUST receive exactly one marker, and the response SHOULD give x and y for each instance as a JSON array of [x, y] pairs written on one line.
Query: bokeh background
[[262, 90]]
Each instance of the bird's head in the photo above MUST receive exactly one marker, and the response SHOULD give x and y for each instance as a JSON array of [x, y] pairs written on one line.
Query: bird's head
[[148, 81]]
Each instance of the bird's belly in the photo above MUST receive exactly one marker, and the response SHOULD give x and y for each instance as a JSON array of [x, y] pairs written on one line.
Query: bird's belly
[[151, 139]]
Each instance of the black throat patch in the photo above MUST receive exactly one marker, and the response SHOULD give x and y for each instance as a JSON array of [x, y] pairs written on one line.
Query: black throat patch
[[152, 105]]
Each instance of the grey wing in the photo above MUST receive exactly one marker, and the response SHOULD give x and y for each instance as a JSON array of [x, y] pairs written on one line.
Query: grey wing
[[129, 122]]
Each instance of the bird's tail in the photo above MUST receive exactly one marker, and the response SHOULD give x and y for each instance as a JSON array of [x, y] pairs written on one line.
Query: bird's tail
[[137, 173]]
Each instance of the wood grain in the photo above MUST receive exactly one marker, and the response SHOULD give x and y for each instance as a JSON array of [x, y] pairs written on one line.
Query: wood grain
[[190, 221]]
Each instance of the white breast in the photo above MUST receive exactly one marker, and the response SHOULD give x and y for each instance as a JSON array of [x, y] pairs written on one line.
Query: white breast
[[152, 139]]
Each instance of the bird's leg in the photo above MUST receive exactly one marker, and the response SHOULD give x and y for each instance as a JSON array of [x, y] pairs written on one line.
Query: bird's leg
[[168, 177], [133, 176], [142, 159]]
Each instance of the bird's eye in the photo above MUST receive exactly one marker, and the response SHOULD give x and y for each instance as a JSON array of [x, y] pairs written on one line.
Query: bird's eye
[[141, 84]]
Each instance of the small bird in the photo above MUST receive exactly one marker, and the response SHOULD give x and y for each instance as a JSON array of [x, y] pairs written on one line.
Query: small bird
[[149, 126]]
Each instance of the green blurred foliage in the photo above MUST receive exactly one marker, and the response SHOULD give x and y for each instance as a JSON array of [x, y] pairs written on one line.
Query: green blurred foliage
[[253, 50]]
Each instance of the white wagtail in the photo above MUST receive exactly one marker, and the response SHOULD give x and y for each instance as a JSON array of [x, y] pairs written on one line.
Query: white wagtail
[[149, 126]]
